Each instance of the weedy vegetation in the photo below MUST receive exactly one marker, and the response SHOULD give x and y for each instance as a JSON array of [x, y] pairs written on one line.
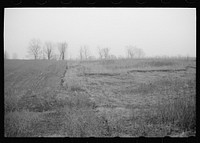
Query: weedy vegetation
[[100, 98]]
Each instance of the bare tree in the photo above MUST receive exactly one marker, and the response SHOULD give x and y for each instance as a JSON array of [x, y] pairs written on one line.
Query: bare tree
[[130, 51], [104, 53], [14, 56], [84, 52], [81, 53], [100, 53], [140, 53], [34, 48], [6, 55], [48, 50], [134, 52], [62, 49]]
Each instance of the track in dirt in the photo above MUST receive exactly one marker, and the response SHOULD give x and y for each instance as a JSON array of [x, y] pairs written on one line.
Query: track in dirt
[[101, 74], [162, 70]]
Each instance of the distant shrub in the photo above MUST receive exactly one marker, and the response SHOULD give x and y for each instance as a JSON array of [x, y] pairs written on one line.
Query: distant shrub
[[108, 61], [74, 88], [160, 63]]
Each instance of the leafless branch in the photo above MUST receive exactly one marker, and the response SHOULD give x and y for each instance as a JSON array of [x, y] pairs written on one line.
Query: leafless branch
[[34, 48]]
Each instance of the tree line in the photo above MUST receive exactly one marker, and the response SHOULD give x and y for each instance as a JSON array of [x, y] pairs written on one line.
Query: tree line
[[37, 50], [46, 51]]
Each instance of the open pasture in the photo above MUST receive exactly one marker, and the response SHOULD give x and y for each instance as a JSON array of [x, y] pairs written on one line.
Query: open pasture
[[102, 98]]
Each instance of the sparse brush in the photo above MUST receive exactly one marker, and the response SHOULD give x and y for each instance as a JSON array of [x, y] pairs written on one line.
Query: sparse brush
[[181, 112], [80, 100], [10, 103], [160, 63], [82, 123], [45, 101], [74, 88], [94, 96], [18, 124]]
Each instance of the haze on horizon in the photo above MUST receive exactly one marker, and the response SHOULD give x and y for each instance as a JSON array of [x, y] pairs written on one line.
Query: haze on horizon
[[158, 31]]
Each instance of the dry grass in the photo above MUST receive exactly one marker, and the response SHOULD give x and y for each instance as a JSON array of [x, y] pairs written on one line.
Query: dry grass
[[18, 124], [83, 123], [180, 112], [177, 108], [100, 98]]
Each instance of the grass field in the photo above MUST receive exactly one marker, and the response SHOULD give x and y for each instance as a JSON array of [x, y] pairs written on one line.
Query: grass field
[[107, 98]]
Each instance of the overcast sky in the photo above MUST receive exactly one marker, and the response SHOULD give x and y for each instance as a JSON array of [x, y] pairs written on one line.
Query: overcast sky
[[158, 31]]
